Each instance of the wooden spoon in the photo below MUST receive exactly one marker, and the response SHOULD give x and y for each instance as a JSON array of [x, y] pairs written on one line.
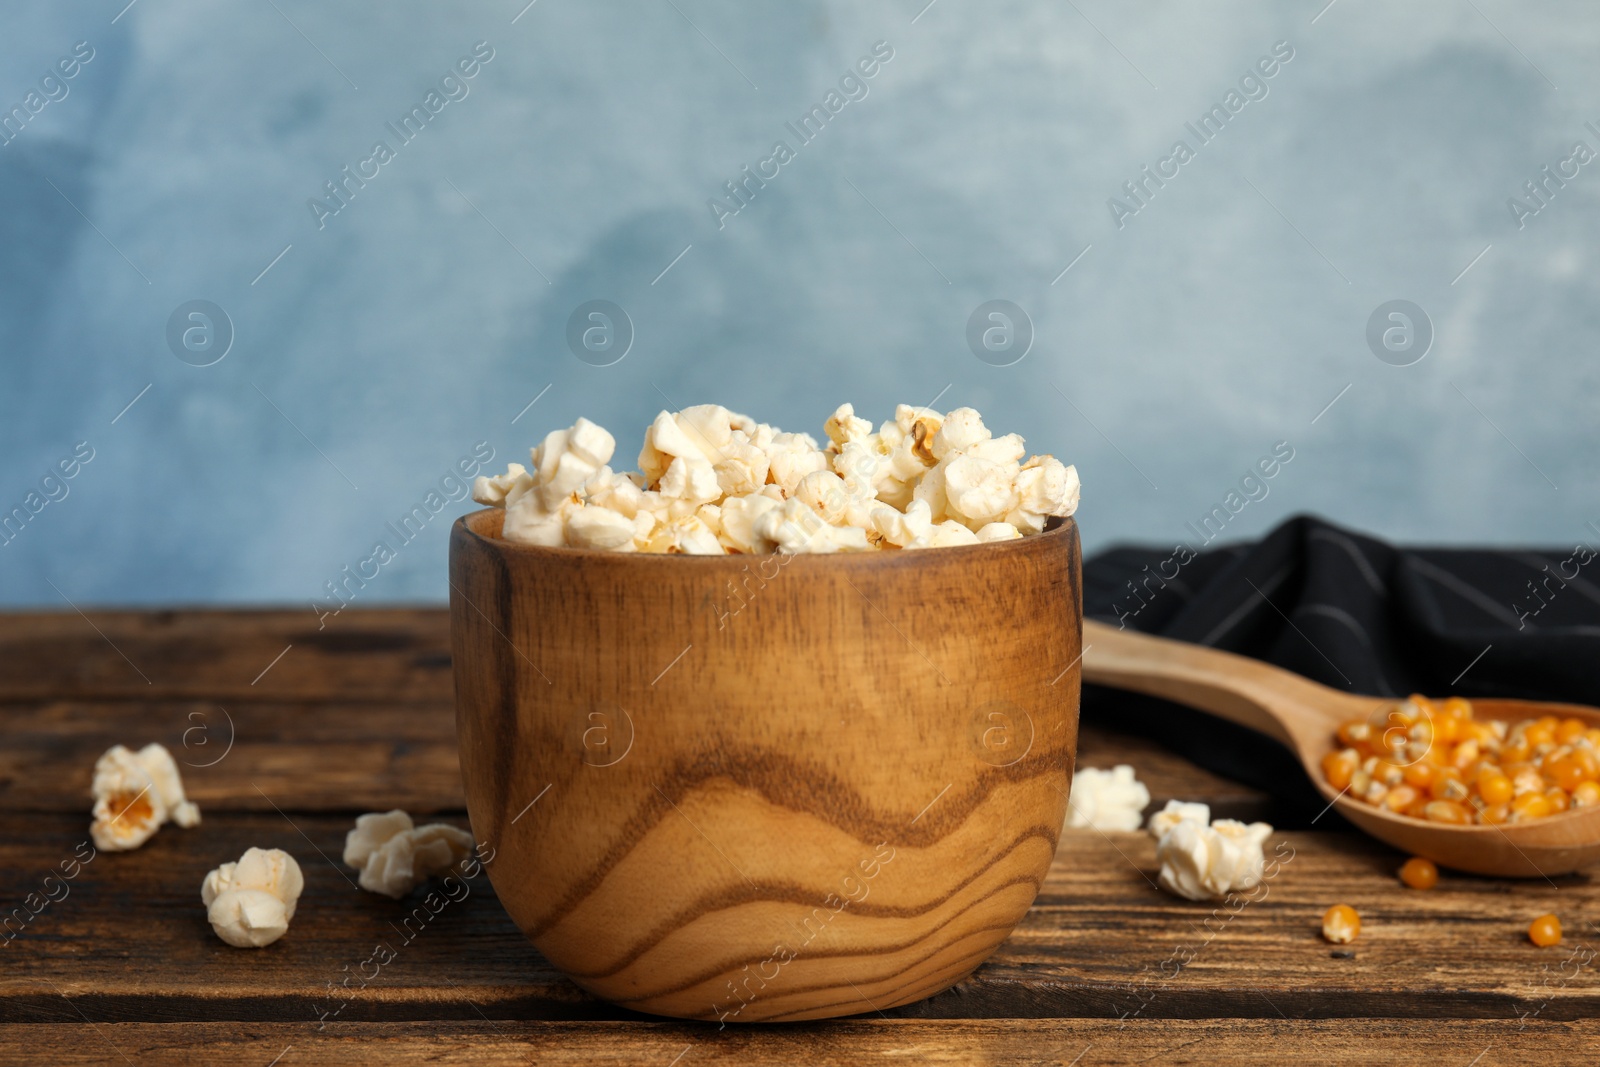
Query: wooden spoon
[[1303, 715]]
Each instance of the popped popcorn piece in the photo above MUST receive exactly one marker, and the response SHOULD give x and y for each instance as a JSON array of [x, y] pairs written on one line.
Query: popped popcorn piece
[[687, 484], [688, 536], [978, 491], [621, 493], [791, 457], [135, 793], [744, 464], [702, 432], [843, 427], [946, 534], [1045, 488], [592, 526], [1000, 531], [1175, 812], [740, 515], [795, 528], [494, 490], [1207, 862], [249, 903], [1107, 800], [715, 482], [394, 855], [959, 431], [903, 529]]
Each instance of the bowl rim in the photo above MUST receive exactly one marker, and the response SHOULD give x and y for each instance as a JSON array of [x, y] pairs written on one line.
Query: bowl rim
[[1056, 530]]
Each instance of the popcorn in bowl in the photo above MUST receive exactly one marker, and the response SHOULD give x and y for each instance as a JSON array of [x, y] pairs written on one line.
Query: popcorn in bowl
[[713, 482]]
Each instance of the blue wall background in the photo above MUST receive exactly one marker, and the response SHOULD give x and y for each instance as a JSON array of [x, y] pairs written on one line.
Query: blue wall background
[[1222, 317]]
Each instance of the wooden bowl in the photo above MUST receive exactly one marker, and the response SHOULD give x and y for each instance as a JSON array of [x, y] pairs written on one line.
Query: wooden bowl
[[756, 788]]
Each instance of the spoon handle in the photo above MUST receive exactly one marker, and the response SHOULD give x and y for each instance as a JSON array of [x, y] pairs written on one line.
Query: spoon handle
[[1283, 705]]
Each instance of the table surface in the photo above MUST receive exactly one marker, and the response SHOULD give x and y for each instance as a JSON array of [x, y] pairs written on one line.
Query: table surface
[[304, 729]]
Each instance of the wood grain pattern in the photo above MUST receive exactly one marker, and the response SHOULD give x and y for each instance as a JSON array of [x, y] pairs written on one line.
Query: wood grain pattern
[[130, 942], [847, 791], [1436, 978], [848, 1043], [328, 756], [1304, 715], [395, 655]]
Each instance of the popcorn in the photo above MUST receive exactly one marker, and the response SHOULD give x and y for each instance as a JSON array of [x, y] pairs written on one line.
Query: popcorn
[[1175, 812], [945, 535], [494, 490], [999, 531], [844, 427], [394, 855], [1207, 862], [714, 482], [791, 457], [249, 903], [978, 491], [592, 526], [702, 432], [1045, 487], [1107, 800], [134, 795], [903, 529], [794, 527], [740, 515]]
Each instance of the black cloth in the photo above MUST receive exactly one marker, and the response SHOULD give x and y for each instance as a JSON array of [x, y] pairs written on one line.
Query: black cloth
[[1354, 613]]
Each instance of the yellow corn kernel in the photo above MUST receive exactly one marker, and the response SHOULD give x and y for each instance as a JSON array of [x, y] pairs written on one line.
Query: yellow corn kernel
[[1339, 767], [1570, 730], [1419, 873], [1400, 798], [1419, 774], [1493, 786], [1355, 732], [1544, 931], [1341, 924], [1448, 811], [1529, 806]]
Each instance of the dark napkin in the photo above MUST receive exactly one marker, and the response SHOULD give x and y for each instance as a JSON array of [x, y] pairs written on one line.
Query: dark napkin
[[1354, 613]]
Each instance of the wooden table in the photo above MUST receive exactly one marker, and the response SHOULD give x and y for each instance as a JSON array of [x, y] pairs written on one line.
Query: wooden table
[[1106, 968]]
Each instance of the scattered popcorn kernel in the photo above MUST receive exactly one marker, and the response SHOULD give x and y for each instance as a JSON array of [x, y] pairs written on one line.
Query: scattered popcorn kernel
[[135, 793], [922, 480], [1206, 862], [1545, 931], [249, 903], [394, 855], [1340, 924], [1175, 812], [1107, 800], [1419, 873]]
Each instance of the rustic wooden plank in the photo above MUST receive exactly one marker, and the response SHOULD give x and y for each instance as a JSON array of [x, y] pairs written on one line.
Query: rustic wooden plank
[[344, 756], [390, 655], [305, 756], [130, 942], [849, 1043]]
